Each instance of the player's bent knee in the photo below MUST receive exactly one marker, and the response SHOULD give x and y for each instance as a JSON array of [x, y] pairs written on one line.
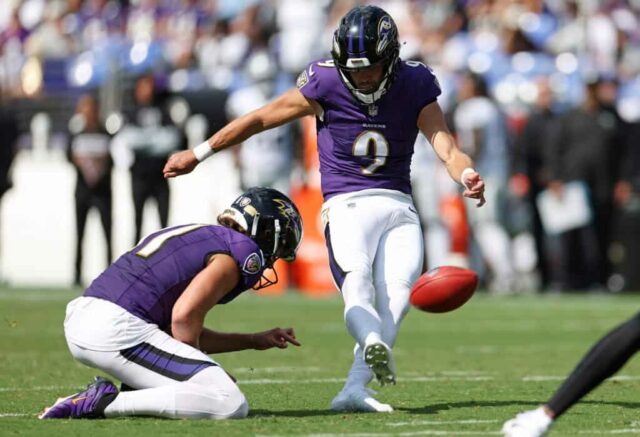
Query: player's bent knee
[[242, 411], [237, 406]]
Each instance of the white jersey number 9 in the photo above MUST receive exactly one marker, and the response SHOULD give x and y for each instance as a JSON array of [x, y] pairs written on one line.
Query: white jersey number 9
[[371, 143]]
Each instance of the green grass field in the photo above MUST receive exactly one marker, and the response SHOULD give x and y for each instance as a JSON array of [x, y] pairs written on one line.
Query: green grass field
[[462, 373]]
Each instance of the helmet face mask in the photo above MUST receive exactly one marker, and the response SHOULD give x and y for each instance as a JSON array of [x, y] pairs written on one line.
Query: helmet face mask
[[367, 36], [270, 219]]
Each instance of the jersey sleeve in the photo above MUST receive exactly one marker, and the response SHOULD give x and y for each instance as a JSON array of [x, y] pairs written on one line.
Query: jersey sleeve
[[427, 86], [310, 81]]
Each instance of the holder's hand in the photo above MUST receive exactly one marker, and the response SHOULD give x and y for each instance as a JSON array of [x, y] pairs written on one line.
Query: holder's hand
[[275, 337]]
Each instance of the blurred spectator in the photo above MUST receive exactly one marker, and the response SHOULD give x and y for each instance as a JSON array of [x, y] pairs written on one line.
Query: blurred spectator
[[628, 184], [431, 186], [89, 152], [584, 151], [8, 139], [533, 160], [265, 159], [481, 132], [50, 39], [14, 31], [152, 137]]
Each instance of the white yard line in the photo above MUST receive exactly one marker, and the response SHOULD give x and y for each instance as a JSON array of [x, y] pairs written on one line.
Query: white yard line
[[440, 422], [45, 296], [332, 380], [446, 377], [540, 378], [40, 388], [265, 381], [283, 369], [380, 434], [17, 414], [610, 431]]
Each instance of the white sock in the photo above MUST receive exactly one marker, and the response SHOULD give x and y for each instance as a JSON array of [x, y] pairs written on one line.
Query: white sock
[[392, 302], [360, 315], [360, 375]]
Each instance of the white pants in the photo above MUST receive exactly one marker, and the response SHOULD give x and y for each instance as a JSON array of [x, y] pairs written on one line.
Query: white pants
[[376, 253], [171, 379]]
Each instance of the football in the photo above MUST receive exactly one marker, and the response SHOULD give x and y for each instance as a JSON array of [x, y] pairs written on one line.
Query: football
[[443, 289]]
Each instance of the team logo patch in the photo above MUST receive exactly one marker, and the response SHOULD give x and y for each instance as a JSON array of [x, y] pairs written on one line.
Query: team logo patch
[[384, 33], [303, 79], [244, 201], [252, 264]]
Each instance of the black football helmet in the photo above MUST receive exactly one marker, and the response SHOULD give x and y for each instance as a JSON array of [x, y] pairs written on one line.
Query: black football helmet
[[271, 220], [366, 36]]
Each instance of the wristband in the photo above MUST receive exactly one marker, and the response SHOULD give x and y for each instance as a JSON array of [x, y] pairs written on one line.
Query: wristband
[[464, 173], [203, 151]]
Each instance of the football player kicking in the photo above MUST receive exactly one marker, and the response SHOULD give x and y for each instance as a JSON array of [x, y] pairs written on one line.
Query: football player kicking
[[604, 359], [141, 320], [369, 106]]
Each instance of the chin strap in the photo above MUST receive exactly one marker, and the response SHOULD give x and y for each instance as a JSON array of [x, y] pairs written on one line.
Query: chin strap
[[265, 282]]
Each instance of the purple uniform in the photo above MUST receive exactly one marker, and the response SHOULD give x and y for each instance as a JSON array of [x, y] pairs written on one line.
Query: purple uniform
[[148, 280], [367, 146]]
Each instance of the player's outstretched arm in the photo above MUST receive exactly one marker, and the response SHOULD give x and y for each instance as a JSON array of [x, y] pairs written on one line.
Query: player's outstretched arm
[[459, 165], [205, 290], [285, 108], [214, 342]]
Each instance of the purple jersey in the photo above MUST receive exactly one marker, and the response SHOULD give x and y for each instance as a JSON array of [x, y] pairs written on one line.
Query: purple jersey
[[367, 146], [148, 280]]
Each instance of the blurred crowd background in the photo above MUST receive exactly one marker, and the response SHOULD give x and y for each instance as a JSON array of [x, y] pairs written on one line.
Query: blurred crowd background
[[544, 95]]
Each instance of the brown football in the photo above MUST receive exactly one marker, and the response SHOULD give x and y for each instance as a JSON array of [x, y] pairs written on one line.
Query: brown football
[[443, 289]]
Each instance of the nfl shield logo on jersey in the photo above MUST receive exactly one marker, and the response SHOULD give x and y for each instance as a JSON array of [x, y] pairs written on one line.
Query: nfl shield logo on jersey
[[252, 264]]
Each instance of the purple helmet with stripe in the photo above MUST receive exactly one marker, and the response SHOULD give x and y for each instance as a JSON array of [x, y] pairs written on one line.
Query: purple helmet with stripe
[[366, 36]]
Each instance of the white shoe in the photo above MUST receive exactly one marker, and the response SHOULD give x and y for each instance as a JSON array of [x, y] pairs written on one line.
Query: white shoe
[[534, 423], [358, 399], [379, 358]]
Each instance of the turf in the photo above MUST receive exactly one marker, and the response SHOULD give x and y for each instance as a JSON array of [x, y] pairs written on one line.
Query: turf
[[462, 373]]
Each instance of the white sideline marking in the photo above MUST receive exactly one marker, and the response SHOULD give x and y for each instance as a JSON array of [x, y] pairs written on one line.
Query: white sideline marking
[[16, 414], [441, 422], [611, 431]]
